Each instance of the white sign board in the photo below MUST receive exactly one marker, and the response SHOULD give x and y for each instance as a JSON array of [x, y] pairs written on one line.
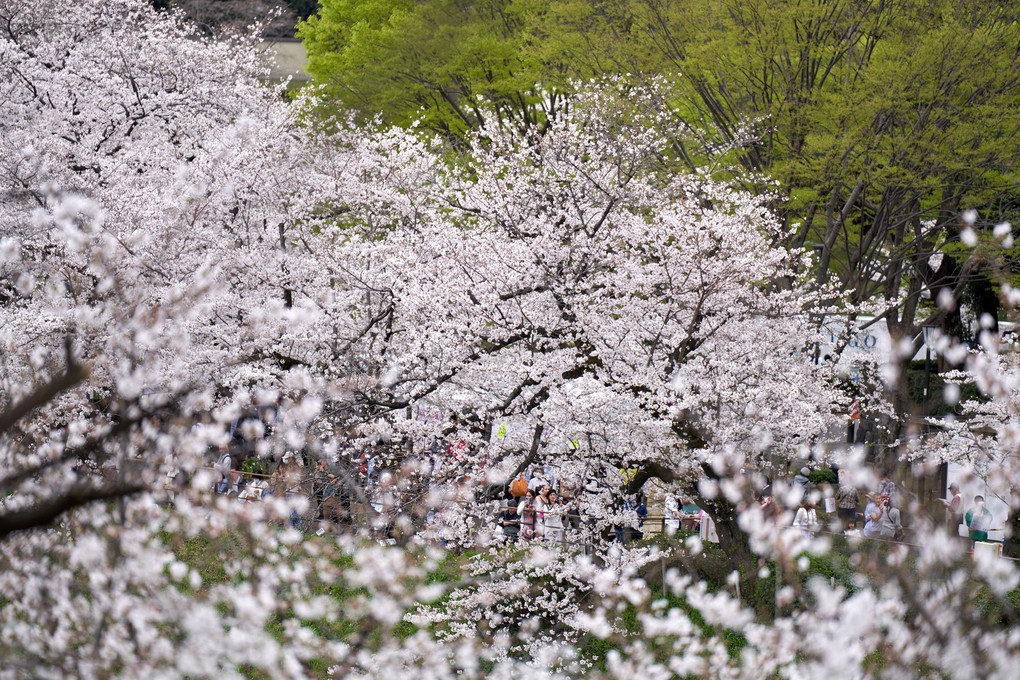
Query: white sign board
[[869, 339], [706, 530]]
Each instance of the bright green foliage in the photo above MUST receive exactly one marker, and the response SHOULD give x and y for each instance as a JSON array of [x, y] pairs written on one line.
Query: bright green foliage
[[428, 61], [894, 112]]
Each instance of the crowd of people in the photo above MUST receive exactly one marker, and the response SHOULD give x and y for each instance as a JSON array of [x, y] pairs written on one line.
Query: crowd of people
[[537, 506], [881, 517]]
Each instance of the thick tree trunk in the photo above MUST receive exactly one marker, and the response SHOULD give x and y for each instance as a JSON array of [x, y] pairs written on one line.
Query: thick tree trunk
[[1011, 544], [986, 304], [733, 541]]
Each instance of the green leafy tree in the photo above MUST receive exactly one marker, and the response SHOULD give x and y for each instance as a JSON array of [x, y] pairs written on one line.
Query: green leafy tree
[[880, 121], [432, 62]]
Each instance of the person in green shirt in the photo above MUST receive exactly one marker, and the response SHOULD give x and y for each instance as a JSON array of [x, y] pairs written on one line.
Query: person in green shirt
[[979, 520]]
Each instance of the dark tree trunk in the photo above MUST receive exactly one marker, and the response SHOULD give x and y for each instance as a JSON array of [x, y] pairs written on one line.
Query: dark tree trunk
[[986, 302]]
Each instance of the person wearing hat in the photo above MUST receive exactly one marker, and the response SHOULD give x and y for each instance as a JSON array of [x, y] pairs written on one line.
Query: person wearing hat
[[954, 508], [802, 479]]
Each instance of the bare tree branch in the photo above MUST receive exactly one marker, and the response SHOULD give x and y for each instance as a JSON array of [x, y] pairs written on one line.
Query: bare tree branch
[[41, 514], [42, 395]]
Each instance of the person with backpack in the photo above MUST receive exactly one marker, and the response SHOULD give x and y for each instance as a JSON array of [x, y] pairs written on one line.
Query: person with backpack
[[642, 512], [222, 467]]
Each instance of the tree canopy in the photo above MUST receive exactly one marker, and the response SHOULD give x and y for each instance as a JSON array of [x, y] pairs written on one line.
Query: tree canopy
[[437, 62], [880, 122]]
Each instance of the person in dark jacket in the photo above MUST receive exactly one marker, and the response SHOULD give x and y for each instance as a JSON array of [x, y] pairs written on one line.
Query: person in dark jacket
[[510, 521]]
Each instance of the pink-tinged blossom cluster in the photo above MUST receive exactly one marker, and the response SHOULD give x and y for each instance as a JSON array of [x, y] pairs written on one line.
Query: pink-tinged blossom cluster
[[180, 247]]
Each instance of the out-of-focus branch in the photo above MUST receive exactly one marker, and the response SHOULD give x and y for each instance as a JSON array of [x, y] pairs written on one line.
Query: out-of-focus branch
[[42, 395], [21, 475], [91, 446], [43, 513]]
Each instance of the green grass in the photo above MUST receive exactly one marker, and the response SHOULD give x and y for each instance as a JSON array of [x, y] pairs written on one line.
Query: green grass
[[208, 556]]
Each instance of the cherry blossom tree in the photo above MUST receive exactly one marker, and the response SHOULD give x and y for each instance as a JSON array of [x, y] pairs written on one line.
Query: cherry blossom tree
[[181, 245], [131, 224], [564, 287], [147, 182]]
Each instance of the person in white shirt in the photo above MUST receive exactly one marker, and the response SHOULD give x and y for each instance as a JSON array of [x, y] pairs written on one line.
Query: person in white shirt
[[873, 525], [671, 513], [806, 519], [536, 482], [222, 467], [542, 503], [553, 519]]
